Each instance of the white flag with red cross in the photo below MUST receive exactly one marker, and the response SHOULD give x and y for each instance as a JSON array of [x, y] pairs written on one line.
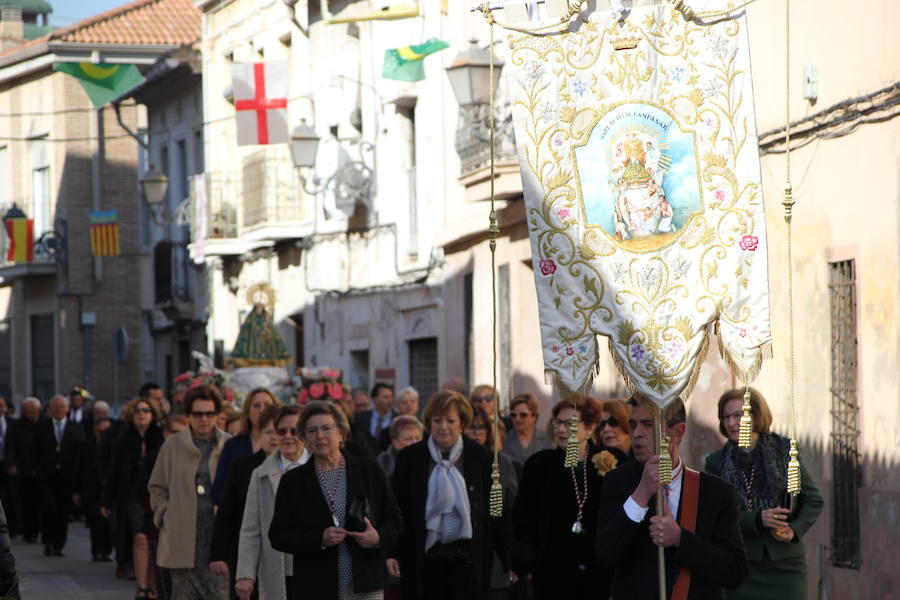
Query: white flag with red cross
[[260, 102]]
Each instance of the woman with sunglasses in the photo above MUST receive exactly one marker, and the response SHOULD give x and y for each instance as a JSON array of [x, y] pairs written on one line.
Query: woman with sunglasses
[[336, 515], [183, 511], [524, 439], [613, 430], [555, 514], [259, 566], [141, 437]]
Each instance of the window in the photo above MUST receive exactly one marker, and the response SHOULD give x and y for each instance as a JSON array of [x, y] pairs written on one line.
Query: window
[[406, 115], [423, 366], [40, 186], [845, 463]]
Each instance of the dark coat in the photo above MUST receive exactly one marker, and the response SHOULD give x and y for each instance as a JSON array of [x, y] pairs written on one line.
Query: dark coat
[[362, 430], [302, 515], [544, 544], [88, 482], [237, 447], [21, 447], [125, 464], [714, 553], [410, 483], [227, 529], [57, 463], [758, 542]]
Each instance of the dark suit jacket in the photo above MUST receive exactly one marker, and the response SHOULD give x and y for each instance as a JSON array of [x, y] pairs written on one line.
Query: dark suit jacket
[[227, 529], [56, 464], [758, 540], [362, 429], [714, 553], [240, 446], [21, 446], [410, 482], [302, 515], [87, 418], [125, 464], [88, 483]]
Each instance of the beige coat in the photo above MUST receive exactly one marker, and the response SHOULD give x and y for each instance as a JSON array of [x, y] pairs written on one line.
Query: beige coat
[[257, 559], [173, 497]]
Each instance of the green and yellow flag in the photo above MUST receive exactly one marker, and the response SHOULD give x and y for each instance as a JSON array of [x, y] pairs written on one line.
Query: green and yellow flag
[[406, 63], [102, 81]]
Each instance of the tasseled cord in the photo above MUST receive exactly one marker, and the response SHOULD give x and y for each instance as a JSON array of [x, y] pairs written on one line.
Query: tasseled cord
[[572, 444], [793, 470], [665, 461], [746, 430]]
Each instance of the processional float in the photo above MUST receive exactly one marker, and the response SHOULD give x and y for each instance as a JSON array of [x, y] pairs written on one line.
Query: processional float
[[636, 134]]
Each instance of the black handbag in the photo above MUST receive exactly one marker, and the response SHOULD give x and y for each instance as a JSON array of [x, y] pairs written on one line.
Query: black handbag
[[356, 513]]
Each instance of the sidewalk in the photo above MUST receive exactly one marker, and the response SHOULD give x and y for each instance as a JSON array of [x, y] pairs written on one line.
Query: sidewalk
[[72, 577]]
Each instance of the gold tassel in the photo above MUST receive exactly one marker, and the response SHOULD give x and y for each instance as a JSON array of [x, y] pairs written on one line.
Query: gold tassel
[[746, 430], [793, 470], [665, 461], [572, 445], [496, 501]]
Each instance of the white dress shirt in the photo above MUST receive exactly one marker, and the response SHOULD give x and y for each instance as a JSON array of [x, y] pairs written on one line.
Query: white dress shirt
[[636, 512]]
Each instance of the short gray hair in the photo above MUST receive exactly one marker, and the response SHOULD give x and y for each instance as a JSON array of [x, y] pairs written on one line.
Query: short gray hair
[[64, 398], [101, 405], [410, 390], [33, 400]]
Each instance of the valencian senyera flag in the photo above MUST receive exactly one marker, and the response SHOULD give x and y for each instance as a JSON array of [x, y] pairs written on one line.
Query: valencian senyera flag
[[21, 240], [102, 82], [408, 63], [105, 233], [260, 102], [638, 154]]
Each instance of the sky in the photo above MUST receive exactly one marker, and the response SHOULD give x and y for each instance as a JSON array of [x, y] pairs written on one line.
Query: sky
[[66, 12]]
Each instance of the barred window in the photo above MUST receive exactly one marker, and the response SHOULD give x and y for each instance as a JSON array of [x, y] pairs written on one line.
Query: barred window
[[845, 460]]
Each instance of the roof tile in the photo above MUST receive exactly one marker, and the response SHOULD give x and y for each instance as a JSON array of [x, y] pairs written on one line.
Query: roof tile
[[138, 22]]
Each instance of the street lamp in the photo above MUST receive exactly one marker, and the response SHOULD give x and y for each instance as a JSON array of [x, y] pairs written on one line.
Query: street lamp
[[14, 213], [470, 75], [154, 183], [304, 145]]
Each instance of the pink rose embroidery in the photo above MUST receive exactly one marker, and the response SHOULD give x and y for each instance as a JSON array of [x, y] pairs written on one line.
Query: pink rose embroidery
[[303, 397], [554, 348], [570, 351], [720, 195], [317, 390], [563, 213], [743, 333], [749, 243], [548, 267]]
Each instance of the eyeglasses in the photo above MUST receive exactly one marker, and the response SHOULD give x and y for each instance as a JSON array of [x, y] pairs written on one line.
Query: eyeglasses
[[735, 416], [143, 409], [557, 423], [612, 422], [480, 399], [283, 431], [325, 429], [200, 414], [520, 415]]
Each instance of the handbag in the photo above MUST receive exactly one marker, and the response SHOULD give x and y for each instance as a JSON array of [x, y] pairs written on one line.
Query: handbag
[[359, 509]]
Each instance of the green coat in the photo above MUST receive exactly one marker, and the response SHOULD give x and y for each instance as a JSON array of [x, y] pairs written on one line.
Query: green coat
[[757, 539]]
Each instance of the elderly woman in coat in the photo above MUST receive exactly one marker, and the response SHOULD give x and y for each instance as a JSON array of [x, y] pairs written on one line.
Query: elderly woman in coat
[[259, 565], [179, 487]]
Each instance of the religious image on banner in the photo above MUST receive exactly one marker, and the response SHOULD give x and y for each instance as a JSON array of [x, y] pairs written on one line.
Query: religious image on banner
[[637, 147], [260, 102]]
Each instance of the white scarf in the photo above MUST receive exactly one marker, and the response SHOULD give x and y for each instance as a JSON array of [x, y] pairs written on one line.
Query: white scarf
[[447, 512]]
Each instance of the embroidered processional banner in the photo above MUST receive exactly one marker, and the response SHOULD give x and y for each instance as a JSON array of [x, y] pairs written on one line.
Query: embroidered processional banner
[[638, 152]]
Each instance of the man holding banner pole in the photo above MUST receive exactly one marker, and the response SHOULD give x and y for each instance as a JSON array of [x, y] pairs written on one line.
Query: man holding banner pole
[[698, 528]]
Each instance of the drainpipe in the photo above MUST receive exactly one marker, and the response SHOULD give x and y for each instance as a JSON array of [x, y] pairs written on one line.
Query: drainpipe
[[97, 158]]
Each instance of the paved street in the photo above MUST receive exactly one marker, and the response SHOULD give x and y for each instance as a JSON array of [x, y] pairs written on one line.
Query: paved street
[[72, 577]]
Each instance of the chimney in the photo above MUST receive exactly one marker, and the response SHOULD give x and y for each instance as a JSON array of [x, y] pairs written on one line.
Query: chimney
[[12, 28]]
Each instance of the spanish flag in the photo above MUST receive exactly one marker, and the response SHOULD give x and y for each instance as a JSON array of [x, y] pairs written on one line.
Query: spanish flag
[[21, 240], [105, 233], [407, 63]]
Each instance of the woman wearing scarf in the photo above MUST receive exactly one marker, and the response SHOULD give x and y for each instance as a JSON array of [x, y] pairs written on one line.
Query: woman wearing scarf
[[772, 533], [443, 485], [335, 514]]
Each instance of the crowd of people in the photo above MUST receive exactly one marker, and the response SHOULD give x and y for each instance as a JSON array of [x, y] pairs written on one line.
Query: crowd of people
[[377, 496]]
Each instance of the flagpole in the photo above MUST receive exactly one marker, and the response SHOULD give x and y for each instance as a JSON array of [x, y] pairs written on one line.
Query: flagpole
[[661, 552]]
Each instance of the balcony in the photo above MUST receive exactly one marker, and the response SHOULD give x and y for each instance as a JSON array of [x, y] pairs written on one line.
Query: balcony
[[474, 149], [233, 212], [49, 249], [172, 280]]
